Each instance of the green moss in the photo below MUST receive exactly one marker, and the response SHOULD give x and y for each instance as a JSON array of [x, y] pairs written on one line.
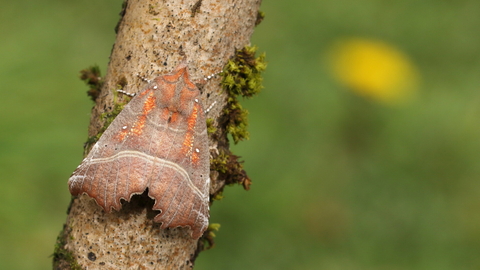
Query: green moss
[[92, 77], [213, 227], [218, 196], [219, 163], [237, 120], [208, 238], [260, 17], [231, 169], [242, 76], [107, 118], [63, 257], [211, 129]]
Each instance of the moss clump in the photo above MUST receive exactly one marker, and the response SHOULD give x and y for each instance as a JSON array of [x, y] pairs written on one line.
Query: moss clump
[[242, 76], [208, 238], [260, 17], [219, 163], [92, 77], [237, 120], [230, 168]]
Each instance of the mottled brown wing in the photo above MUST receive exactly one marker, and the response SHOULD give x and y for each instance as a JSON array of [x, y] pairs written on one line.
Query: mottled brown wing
[[159, 141]]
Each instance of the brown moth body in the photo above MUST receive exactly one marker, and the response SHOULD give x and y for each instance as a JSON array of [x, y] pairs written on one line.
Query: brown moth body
[[159, 141]]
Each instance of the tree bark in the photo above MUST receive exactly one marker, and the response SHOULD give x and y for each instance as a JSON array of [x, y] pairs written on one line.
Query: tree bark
[[152, 38]]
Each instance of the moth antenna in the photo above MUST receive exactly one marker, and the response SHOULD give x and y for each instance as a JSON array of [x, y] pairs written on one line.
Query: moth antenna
[[133, 94], [143, 78], [201, 82], [210, 107], [126, 93], [211, 76]]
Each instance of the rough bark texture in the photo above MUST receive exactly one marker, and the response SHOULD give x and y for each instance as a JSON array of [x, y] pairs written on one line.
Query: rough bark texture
[[152, 38]]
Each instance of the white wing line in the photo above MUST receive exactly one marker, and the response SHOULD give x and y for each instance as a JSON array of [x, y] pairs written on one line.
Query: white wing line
[[168, 164]]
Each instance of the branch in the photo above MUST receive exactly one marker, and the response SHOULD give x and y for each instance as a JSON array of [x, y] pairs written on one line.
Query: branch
[[153, 37]]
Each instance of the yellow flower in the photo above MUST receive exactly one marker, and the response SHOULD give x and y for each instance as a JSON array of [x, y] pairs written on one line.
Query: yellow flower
[[374, 69]]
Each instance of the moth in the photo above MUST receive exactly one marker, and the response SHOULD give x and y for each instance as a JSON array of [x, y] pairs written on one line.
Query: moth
[[158, 141]]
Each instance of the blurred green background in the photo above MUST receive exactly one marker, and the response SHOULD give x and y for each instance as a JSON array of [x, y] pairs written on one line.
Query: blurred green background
[[339, 181]]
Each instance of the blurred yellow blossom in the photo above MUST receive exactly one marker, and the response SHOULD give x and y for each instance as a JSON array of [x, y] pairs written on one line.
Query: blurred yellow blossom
[[374, 69]]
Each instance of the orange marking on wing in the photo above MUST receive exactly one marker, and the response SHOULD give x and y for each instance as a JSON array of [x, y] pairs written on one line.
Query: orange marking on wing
[[144, 93], [189, 135], [195, 157], [187, 81], [121, 136], [148, 106], [174, 117]]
